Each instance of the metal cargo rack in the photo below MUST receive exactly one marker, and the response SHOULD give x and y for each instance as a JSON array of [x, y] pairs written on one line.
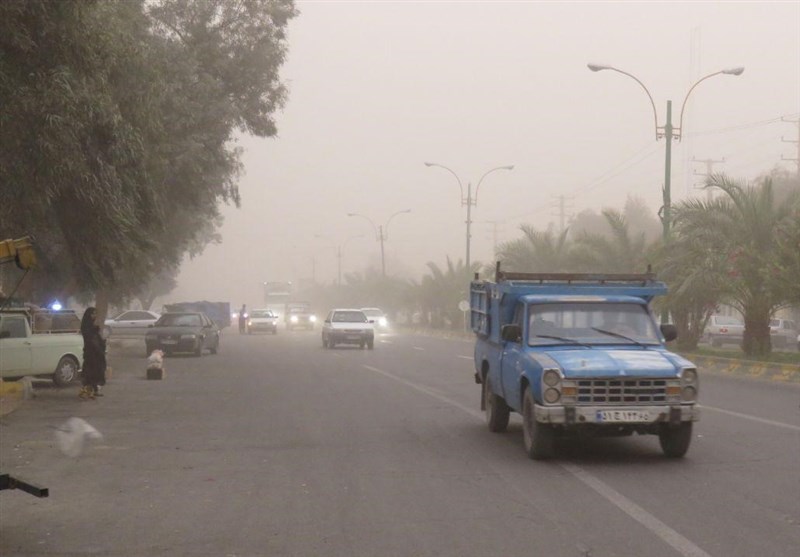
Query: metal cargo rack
[[576, 278]]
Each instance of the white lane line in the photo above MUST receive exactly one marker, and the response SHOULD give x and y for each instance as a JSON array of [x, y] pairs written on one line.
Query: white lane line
[[427, 391], [637, 513], [749, 417], [419, 348], [464, 357], [675, 540]]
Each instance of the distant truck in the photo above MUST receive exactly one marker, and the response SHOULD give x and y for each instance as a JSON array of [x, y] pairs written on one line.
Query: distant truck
[[580, 354], [218, 312], [299, 316]]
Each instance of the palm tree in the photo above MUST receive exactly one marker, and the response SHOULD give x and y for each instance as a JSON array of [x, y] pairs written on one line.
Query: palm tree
[[442, 289], [536, 251], [616, 252], [744, 228]]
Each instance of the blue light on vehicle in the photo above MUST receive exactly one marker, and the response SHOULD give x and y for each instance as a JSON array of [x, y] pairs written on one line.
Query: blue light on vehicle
[[56, 305]]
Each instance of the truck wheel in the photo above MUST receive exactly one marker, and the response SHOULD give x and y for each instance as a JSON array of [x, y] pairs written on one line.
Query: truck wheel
[[538, 438], [66, 371], [675, 440], [496, 410]]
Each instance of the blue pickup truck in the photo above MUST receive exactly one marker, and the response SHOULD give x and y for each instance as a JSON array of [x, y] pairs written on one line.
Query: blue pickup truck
[[580, 354]]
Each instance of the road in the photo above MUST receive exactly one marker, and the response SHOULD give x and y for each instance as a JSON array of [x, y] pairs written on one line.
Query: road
[[278, 447]]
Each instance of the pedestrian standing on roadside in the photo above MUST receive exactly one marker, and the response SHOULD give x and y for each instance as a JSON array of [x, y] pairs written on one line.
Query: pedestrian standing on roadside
[[243, 319], [94, 356]]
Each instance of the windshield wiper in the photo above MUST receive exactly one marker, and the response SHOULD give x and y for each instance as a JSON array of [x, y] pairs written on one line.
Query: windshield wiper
[[564, 339], [618, 335]]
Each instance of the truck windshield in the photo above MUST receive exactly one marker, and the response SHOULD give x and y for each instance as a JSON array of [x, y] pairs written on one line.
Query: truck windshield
[[590, 323]]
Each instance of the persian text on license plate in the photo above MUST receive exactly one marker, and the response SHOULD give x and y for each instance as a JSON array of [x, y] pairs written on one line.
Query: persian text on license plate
[[623, 416]]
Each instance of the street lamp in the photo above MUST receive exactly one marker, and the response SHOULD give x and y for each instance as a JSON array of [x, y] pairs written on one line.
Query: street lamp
[[668, 132], [381, 233], [469, 201]]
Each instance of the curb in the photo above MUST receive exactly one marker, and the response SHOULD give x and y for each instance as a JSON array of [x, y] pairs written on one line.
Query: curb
[[11, 395], [782, 373]]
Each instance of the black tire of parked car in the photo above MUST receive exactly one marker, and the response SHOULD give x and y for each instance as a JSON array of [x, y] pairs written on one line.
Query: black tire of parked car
[[199, 350], [675, 440], [495, 408], [215, 349], [66, 371], [371, 344], [537, 438]]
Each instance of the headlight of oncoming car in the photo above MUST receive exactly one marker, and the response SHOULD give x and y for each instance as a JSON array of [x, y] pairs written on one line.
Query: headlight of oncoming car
[[293, 319], [383, 322], [313, 318]]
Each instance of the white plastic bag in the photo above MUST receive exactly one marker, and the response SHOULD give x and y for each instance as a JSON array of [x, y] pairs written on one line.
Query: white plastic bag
[[72, 434]]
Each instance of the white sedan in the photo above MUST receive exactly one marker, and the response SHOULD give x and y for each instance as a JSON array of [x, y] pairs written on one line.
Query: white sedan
[[133, 323]]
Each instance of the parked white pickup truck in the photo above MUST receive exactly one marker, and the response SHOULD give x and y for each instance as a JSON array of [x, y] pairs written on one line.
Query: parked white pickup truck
[[55, 355]]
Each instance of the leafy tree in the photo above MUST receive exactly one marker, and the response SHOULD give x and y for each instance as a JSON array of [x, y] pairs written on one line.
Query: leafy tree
[[536, 251], [118, 121], [745, 228], [615, 251]]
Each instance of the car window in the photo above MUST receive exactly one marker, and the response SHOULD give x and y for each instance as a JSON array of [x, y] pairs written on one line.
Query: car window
[[725, 320], [774, 322], [180, 320], [66, 322], [349, 317], [15, 326], [261, 313], [137, 316]]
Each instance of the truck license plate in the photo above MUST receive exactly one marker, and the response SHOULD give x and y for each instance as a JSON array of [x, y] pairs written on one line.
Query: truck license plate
[[169, 342], [623, 416]]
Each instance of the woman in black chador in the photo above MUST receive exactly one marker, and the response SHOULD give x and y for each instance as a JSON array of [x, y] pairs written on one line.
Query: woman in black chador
[[94, 356]]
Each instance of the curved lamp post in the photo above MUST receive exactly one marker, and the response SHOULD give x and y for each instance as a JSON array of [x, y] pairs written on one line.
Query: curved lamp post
[[668, 132], [381, 233], [469, 200]]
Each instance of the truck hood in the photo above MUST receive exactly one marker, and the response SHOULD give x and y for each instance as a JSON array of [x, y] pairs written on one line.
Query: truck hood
[[616, 363]]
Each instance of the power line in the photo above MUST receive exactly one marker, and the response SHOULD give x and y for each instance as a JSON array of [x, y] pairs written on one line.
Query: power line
[[742, 126]]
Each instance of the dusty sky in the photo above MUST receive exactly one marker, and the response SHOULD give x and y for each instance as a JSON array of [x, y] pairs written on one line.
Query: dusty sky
[[378, 88]]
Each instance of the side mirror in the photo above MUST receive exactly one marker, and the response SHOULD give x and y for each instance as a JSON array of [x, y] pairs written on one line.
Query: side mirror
[[511, 332], [5, 334], [669, 331]]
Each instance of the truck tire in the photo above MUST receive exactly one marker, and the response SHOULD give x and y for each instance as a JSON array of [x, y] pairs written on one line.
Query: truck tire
[[495, 409], [675, 440], [537, 438], [66, 371]]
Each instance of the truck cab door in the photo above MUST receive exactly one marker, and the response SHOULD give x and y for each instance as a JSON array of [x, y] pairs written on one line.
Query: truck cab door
[[16, 353], [511, 363]]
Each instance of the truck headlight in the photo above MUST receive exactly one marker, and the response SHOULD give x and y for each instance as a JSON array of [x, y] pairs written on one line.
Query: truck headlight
[[293, 319], [551, 377], [689, 376], [551, 396], [689, 394]]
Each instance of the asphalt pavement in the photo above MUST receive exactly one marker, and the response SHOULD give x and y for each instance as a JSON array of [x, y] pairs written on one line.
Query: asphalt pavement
[[279, 447]]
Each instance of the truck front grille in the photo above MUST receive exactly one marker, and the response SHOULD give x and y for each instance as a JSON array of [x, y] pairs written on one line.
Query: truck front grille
[[622, 391]]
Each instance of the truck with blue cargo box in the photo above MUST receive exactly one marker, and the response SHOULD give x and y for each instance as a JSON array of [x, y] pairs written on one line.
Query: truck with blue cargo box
[[580, 354]]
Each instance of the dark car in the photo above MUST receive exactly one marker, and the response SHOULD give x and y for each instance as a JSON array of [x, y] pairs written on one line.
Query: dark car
[[183, 332]]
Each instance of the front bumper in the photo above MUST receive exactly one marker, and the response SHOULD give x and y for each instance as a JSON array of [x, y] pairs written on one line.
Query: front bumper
[[183, 345], [350, 338], [576, 415], [263, 326]]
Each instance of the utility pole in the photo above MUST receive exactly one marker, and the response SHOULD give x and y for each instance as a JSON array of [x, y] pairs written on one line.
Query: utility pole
[[708, 173], [562, 205], [797, 158]]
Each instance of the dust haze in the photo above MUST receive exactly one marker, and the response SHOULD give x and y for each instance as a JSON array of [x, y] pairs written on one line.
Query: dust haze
[[376, 89]]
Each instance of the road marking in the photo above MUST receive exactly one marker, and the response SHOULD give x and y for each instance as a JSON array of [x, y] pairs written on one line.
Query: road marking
[[675, 540], [419, 348], [753, 418], [637, 513], [464, 357]]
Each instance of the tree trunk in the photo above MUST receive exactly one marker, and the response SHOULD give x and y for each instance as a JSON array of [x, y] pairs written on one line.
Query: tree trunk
[[101, 307], [756, 339]]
